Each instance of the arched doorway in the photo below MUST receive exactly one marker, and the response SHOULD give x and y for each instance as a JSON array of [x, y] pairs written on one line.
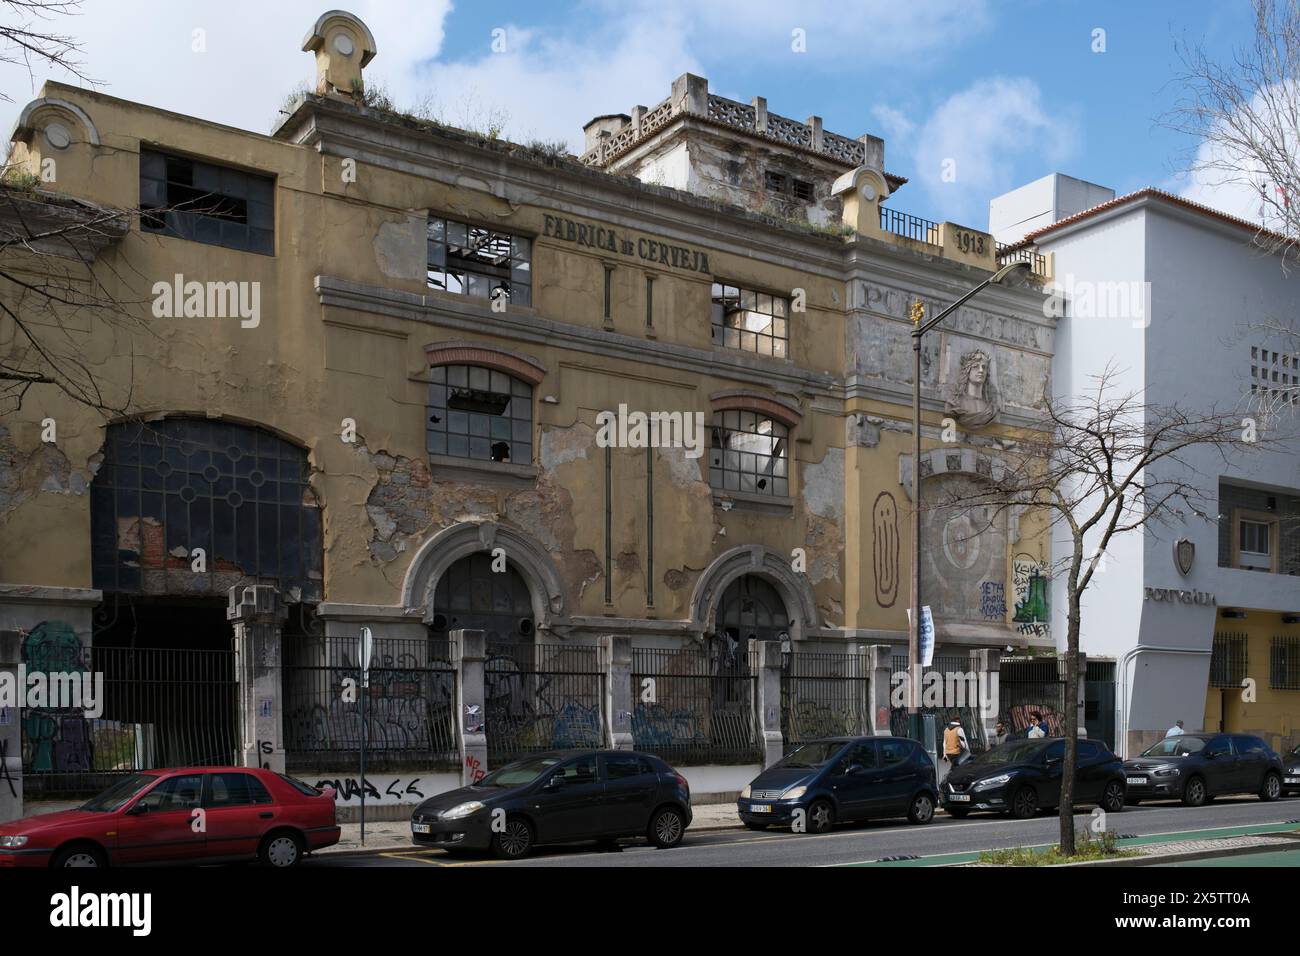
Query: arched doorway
[[471, 595]]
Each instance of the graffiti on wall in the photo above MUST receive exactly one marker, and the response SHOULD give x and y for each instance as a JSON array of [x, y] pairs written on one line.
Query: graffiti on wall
[[378, 789], [536, 709], [55, 740], [1033, 616], [993, 600], [884, 548]]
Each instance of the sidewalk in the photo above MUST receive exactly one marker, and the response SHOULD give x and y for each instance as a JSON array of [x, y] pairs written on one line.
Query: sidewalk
[[396, 834]]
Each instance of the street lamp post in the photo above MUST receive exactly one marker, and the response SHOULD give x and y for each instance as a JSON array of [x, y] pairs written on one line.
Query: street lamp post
[[914, 666]]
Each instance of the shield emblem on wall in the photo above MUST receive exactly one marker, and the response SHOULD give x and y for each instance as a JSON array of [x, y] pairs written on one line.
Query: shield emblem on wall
[[1184, 552]]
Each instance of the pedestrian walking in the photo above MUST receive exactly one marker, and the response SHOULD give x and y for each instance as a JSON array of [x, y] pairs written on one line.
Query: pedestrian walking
[[999, 735], [956, 748], [1037, 728]]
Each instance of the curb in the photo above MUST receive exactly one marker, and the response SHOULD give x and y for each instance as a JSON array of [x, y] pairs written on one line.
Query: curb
[[371, 851]]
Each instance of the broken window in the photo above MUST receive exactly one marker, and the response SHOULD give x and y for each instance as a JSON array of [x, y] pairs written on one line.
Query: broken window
[[749, 453], [479, 413], [802, 189], [168, 488], [750, 321], [478, 261], [191, 199], [775, 182]]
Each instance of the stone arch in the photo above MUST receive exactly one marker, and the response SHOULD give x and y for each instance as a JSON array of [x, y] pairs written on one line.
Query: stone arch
[[795, 589], [977, 463], [773, 406], [39, 113], [451, 544], [521, 366]]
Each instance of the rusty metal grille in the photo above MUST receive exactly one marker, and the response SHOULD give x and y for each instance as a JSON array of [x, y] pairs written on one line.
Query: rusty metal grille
[[824, 694], [1228, 660], [542, 697], [1284, 663], [410, 705], [693, 707]]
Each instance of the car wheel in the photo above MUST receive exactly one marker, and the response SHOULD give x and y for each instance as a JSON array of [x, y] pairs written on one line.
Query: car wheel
[[79, 856], [1112, 798], [821, 816], [755, 826], [1024, 804], [666, 828], [959, 813], [514, 841], [1194, 792], [281, 851], [1272, 788], [922, 809]]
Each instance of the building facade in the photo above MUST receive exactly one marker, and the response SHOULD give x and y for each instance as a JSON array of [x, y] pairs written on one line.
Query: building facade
[[1202, 615], [634, 413]]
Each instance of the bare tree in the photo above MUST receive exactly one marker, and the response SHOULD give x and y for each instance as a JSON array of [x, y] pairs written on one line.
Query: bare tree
[[1101, 466], [1245, 117], [28, 39]]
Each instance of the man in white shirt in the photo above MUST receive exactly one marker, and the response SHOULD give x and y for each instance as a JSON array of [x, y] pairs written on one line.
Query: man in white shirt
[[1176, 730]]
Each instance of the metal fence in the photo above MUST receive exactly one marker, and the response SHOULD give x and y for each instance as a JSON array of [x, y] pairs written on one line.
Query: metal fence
[[908, 226], [1284, 663], [960, 698], [1037, 261], [160, 707], [1029, 684], [824, 694], [689, 706], [1228, 660], [410, 705], [542, 697]]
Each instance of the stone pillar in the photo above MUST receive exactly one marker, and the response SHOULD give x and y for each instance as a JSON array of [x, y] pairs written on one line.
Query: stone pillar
[[258, 615], [760, 113], [469, 653], [816, 140], [768, 700], [879, 688], [691, 94], [986, 662], [11, 742], [616, 653]]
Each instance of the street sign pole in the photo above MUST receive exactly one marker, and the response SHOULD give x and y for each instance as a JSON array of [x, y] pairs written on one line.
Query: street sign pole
[[366, 646]]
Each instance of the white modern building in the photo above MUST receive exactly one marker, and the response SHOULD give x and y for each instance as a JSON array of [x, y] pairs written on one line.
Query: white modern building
[[1175, 296]]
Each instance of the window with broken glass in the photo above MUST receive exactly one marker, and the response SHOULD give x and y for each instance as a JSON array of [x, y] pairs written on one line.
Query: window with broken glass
[[749, 452], [203, 202], [479, 262], [480, 413], [750, 321]]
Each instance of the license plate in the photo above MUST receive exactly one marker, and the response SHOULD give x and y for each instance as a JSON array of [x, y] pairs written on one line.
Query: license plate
[[1293, 779], [420, 828], [1137, 781], [959, 797], [760, 808]]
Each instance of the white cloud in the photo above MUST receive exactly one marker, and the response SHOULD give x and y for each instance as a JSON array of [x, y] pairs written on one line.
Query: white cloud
[[982, 141], [143, 51]]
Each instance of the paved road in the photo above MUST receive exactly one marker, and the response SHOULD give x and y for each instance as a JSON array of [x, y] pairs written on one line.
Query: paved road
[[860, 843]]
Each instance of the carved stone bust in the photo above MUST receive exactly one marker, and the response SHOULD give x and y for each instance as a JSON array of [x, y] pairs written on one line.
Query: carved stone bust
[[973, 399]]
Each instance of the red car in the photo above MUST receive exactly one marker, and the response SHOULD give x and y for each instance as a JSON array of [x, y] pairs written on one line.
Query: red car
[[194, 815]]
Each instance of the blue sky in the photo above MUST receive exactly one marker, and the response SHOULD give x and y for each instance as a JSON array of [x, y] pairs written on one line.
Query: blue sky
[[1008, 91]]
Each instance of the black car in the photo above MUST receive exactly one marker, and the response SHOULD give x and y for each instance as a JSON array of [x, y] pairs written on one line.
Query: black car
[[842, 778], [1196, 768], [1022, 777], [559, 797], [1291, 770]]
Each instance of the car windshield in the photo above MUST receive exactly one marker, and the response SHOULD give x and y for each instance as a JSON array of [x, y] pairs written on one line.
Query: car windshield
[[1180, 746], [520, 773], [119, 794], [811, 756], [1018, 752]]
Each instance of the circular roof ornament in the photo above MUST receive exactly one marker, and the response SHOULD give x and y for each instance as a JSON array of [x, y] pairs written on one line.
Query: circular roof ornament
[[343, 44], [57, 135]]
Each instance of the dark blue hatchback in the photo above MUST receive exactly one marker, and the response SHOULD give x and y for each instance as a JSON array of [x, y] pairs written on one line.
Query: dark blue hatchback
[[839, 779]]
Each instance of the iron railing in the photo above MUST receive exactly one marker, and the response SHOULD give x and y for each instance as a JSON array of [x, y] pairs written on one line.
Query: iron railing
[[1284, 663], [1028, 684], [160, 707], [542, 697], [691, 707], [960, 687], [1228, 660], [409, 713], [824, 694], [1037, 261], [909, 227]]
